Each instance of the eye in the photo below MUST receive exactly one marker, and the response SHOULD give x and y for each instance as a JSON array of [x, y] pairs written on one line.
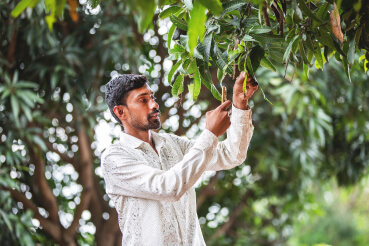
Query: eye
[[143, 100]]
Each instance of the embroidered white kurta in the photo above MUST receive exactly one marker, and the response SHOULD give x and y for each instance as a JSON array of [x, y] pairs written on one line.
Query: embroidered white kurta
[[154, 194]]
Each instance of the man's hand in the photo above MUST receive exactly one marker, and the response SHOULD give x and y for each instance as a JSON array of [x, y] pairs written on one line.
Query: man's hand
[[239, 99], [217, 120]]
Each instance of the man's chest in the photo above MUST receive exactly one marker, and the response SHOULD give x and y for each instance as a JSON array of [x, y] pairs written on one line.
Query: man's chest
[[167, 155]]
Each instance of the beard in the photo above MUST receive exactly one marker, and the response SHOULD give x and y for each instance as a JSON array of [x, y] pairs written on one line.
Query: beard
[[152, 123]]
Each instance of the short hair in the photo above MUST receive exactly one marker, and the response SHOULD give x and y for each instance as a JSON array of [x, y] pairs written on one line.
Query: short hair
[[118, 89]]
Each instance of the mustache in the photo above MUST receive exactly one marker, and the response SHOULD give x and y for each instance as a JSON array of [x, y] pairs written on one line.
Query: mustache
[[153, 112]]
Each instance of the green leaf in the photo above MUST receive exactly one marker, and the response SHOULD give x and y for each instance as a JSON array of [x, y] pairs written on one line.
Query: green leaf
[[214, 6], [322, 13], [37, 140], [351, 52], [220, 75], [304, 8], [50, 6], [267, 64], [7, 221], [167, 12], [21, 6], [60, 5], [325, 38], [289, 48], [222, 61], [207, 43], [15, 106], [178, 22], [259, 30], [177, 88], [268, 38], [232, 5], [206, 78], [146, 15], [27, 112], [319, 58], [191, 91], [248, 38], [244, 86], [173, 70], [309, 43], [255, 56], [303, 53], [170, 35], [197, 84]]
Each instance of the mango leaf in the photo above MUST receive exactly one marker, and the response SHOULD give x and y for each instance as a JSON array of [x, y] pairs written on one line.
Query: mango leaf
[[325, 38], [177, 88], [167, 12], [351, 52], [304, 8], [319, 58], [248, 38], [232, 5], [173, 70], [196, 26], [322, 14], [267, 64], [222, 61], [178, 22], [255, 56], [258, 29], [15, 106], [60, 4], [220, 75], [22, 5], [303, 53], [289, 48], [197, 83], [268, 38], [146, 15], [50, 7], [170, 35], [214, 6], [207, 43], [206, 78]]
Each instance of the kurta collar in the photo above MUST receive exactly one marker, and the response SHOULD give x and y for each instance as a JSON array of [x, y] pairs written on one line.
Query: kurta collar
[[134, 142]]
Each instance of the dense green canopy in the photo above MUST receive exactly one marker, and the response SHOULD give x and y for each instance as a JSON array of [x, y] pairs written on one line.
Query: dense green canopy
[[56, 56]]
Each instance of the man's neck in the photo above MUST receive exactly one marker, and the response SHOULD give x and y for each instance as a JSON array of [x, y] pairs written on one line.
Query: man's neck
[[145, 136], [142, 135]]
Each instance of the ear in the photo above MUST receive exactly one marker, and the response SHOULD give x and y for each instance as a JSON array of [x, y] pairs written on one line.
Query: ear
[[119, 111]]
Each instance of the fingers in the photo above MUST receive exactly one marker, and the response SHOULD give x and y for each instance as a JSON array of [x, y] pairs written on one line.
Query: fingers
[[225, 105], [240, 78]]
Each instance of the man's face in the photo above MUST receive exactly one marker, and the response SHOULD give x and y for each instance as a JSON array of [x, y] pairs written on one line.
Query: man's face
[[143, 111]]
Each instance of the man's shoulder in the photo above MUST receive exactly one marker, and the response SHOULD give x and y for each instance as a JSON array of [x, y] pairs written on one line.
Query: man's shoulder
[[116, 147]]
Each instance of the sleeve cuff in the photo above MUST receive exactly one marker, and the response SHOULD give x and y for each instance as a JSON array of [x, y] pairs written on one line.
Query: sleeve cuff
[[206, 140], [240, 116]]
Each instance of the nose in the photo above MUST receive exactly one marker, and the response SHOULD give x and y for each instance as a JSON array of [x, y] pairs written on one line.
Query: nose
[[154, 104]]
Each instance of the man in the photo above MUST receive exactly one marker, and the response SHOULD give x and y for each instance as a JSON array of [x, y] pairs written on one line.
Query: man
[[150, 176]]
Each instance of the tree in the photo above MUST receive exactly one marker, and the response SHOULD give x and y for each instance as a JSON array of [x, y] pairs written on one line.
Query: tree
[[52, 76]]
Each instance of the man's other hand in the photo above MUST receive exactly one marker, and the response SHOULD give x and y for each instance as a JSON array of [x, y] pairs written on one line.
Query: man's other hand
[[217, 120], [239, 99]]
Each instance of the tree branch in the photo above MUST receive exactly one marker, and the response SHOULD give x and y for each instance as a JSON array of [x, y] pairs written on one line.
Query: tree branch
[[49, 200], [85, 171]]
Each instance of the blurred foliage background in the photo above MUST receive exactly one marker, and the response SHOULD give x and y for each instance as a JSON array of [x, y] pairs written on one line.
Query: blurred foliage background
[[305, 180]]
